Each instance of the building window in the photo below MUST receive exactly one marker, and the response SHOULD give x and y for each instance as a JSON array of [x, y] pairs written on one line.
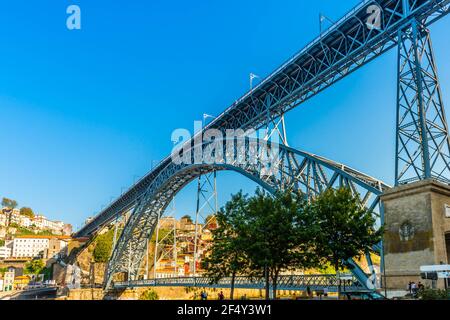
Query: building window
[[447, 245]]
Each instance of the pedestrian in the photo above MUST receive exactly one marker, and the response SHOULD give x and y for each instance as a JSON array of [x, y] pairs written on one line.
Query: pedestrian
[[325, 292], [414, 289], [206, 295], [410, 287], [308, 291], [202, 295], [421, 287], [221, 296]]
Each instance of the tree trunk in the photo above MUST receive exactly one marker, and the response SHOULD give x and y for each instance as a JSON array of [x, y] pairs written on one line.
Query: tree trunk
[[274, 286], [266, 275], [233, 278], [336, 268]]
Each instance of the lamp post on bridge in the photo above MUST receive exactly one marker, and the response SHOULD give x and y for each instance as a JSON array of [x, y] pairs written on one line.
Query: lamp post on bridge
[[252, 77]]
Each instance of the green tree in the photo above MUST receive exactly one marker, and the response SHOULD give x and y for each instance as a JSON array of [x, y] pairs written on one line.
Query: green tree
[[103, 246], [3, 271], [344, 228], [2, 242], [226, 257], [434, 294], [28, 212], [35, 266], [149, 295], [188, 218], [278, 234], [8, 206]]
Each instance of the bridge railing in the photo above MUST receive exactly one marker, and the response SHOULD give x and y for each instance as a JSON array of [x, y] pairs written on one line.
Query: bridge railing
[[285, 282]]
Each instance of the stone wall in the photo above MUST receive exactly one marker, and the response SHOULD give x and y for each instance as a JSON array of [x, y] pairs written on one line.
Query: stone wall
[[164, 293], [415, 227]]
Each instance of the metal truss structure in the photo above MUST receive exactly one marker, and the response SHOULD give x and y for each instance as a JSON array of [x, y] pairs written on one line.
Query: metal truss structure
[[165, 246], [285, 282], [346, 46], [423, 149], [422, 134], [294, 170]]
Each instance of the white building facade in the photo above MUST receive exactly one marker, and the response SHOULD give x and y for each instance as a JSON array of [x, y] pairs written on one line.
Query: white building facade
[[29, 247], [8, 281], [38, 222], [5, 252]]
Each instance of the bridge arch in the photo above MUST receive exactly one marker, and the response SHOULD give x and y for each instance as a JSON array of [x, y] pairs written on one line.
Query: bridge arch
[[294, 169]]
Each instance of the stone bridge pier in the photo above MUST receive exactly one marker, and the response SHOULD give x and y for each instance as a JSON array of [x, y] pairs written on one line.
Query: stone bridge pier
[[417, 231]]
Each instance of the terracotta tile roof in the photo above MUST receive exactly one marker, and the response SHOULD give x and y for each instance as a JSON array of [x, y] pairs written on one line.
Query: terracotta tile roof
[[35, 236]]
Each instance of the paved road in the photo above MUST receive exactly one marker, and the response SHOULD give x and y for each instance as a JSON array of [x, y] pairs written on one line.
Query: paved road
[[35, 294]]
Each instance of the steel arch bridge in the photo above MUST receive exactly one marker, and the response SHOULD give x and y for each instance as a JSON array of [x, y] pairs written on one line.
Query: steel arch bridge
[[287, 169], [369, 30]]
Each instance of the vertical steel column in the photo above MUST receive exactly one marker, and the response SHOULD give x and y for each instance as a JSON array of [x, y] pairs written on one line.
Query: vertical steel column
[[147, 262], [160, 244], [175, 252], [129, 262], [422, 144], [206, 191], [155, 258]]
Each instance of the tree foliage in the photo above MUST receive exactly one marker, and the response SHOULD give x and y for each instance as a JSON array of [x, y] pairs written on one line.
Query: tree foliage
[[22, 231], [267, 235], [278, 234], [149, 295], [27, 212], [3, 271], [226, 257], [35, 266], [103, 246], [261, 233], [434, 294], [9, 203], [344, 228], [188, 218]]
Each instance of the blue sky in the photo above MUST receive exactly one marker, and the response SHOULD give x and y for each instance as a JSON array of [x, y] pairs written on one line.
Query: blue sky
[[85, 112]]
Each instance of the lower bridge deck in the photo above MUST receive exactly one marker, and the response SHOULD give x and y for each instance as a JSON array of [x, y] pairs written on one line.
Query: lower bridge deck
[[285, 282]]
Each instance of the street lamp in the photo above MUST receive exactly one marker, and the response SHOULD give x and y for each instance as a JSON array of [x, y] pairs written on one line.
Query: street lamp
[[322, 18], [252, 77], [153, 164], [206, 116]]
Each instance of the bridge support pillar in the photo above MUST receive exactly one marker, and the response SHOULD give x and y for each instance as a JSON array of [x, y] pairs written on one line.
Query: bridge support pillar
[[423, 145], [417, 223]]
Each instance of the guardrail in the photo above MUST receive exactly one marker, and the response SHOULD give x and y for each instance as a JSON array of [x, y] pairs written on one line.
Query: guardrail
[[285, 282]]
